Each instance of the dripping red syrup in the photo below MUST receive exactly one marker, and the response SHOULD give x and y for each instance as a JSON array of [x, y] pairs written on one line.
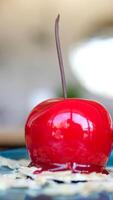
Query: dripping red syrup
[[74, 167]]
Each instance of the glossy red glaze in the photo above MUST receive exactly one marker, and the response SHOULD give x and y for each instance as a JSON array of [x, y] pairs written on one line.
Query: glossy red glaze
[[72, 134]]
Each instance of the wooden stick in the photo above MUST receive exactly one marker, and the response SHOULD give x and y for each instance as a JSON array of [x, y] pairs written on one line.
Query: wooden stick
[[60, 58]]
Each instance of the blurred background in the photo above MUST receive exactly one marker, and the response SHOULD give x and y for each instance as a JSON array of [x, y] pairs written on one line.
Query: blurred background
[[29, 71]]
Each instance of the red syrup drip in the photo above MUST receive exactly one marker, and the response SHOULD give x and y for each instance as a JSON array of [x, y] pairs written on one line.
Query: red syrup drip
[[74, 167]]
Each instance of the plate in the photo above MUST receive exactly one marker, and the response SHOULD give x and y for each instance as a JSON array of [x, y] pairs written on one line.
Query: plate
[[24, 194]]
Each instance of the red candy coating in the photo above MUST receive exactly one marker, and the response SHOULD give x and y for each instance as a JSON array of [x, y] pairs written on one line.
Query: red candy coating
[[74, 134]]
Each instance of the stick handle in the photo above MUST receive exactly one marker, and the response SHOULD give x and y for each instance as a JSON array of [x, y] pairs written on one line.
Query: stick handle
[[60, 58]]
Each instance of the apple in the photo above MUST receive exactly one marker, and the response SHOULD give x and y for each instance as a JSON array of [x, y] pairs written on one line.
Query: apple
[[64, 133], [69, 133]]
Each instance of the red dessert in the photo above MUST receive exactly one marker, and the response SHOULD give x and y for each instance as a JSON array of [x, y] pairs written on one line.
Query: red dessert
[[69, 133], [63, 133]]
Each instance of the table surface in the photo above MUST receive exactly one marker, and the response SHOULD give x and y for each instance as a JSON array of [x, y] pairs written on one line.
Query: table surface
[[21, 194]]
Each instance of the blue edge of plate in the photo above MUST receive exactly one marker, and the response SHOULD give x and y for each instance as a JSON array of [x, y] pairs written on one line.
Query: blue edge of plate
[[20, 153]]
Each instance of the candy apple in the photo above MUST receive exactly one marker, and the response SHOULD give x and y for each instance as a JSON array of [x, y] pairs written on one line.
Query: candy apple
[[65, 133]]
